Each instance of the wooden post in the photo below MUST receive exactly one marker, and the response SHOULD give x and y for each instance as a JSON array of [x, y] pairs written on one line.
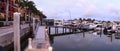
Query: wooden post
[[57, 30], [101, 29], [83, 34], [29, 43], [49, 31], [111, 38], [72, 30], [16, 25], [69, 30], [117, 31], [63, 30]]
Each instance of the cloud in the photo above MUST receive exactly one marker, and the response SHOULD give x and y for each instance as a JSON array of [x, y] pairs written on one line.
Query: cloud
[[113, 10], [79, 8], [87, 7], [90, 10]]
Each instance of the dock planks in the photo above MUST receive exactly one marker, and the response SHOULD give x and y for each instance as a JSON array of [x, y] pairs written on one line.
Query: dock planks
[[41, 41]]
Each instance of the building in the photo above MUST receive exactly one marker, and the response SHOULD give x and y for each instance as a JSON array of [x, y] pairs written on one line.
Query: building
[[49, 22], [11, 8]]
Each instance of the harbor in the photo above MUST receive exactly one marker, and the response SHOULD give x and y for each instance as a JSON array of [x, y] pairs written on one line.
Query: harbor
[[39, 37], [59, 25], [43, 37]]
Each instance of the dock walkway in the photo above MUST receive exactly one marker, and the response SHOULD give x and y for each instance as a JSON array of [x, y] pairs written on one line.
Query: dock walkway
[[40, 42], [10, 28]]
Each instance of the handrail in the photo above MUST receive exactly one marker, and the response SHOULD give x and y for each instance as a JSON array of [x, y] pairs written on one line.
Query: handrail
[[36, 28]]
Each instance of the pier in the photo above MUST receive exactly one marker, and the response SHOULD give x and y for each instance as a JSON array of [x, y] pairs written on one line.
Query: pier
[[59, 25], [64, 30], [43, 35], [6, 35], [41, 41]]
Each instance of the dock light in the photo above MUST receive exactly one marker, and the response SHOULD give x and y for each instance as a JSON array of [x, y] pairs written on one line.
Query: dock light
[[29, 43], [50, 48]]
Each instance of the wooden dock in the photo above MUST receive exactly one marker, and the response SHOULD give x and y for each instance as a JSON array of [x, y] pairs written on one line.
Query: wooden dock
[[40, 42], [63, 30]]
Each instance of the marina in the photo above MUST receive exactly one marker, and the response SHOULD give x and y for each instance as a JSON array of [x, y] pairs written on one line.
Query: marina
[[45, 37], [59, 25]]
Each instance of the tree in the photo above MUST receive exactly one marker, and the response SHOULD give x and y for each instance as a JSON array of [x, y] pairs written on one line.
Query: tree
[[26, 5], [30, 8]]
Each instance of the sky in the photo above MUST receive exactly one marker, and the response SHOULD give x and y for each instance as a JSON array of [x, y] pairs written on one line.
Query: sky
[[74, 9]]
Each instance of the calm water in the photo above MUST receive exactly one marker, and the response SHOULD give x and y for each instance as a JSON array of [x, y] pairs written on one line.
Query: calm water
[[87, 41]]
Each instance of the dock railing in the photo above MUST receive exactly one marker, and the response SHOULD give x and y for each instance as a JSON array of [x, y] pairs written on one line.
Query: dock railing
[[36, 25], [36, 28]]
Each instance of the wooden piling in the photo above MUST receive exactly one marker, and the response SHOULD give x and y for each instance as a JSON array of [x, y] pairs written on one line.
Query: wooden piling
[[16, 25], [49, 30], [57, 30], [69, 30], [83, 34], [72, 30], [63, 30]]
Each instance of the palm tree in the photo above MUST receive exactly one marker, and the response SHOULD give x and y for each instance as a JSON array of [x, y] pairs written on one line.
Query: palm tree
[[22, 4], [30, 8], [27, 6]]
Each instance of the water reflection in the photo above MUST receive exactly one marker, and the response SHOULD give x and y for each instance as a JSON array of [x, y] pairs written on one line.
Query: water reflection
[[86, 41], [117, 36]]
